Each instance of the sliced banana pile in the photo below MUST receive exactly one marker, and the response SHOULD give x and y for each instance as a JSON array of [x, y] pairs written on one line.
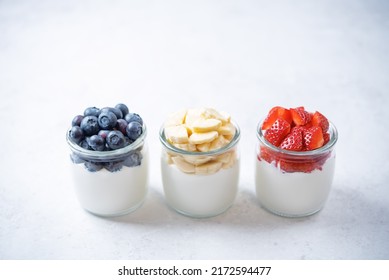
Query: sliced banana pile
[[200, 130]]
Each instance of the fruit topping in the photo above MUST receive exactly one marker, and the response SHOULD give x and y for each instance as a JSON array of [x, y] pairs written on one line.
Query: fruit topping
[[200, 130], [106, 129], [294, 129]]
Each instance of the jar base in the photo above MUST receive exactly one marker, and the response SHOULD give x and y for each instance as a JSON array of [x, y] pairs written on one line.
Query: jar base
[[199, 216], [116, 214], [289, 215]]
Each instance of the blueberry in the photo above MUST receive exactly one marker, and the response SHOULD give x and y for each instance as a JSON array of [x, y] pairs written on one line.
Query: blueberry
[[134, 130], [113, 166], [90, 125], [133, 117], [115, 140], [93, 166], [117, 112], [76, 134], [107, 120], [103, 133], [76, 158], [121, 125], [128, 141], [97, 143], [92, 111], [84, 144], [77, 120], [122, 107], [134, 159]]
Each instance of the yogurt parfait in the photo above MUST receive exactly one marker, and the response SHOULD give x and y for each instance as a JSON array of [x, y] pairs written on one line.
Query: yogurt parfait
[[109, 160], [295, 161], [200, 161]]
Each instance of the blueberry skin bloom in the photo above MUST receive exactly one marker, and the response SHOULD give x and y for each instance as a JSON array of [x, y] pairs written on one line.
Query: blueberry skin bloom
[[90, 125], [76, 134], [92, 111], [122, 107], [134, 130], [115, 140], [133, 117], [107, 120], [97, 142]]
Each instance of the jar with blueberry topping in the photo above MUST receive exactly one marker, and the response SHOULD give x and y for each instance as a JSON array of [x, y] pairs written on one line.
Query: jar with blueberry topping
[[109, 161]]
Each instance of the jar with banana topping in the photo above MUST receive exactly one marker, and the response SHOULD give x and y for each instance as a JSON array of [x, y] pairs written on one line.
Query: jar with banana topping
[[200, 161]]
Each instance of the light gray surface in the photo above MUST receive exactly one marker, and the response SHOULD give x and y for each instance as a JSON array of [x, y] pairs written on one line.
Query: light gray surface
[[239, 56]]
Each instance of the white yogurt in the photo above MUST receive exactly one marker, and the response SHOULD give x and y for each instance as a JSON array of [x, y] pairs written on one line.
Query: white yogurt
[[107, 193], [200, 195], [293, 194]]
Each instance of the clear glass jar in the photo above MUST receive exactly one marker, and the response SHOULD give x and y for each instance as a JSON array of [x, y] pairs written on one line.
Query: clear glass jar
[[110, 183], [200, 184], [294, 183]]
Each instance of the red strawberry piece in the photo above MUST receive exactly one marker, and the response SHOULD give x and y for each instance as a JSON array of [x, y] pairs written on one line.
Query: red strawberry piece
[[319, 120], [326, 137], [313, 138], [293, 166], [274, 114], [277, 132], [300, 116], [266, 155], [294, 140]]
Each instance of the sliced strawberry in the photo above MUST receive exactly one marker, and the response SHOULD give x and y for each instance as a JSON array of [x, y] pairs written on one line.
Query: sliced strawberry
[[326, 137], [277, 132], [319, 120], [294, 140], [274, 114], [313, 138], [293, 166], [266, 155], [300, 116]]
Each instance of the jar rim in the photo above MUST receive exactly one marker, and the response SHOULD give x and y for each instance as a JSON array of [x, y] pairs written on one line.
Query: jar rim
[[223, 149], [107, 155], [327, 147]]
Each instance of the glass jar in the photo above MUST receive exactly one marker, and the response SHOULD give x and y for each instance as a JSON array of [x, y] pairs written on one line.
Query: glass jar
[[200, 184], [294, 183], [110, 183]]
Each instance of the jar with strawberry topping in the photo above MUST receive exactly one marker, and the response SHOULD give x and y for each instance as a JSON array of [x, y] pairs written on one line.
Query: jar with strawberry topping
[[200, 161], [295, 161]]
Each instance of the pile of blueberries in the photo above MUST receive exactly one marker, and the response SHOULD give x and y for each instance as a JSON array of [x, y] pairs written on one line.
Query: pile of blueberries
[[107, 129]]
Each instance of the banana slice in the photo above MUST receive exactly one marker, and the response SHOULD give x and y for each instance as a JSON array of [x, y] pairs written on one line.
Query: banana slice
[[201, 138], [169, 159], [192, 115], [212, 113], [208, 168], [218, 143], [196, 160], [206, 125], [227, 129], [183, 165], [203, 147], [177, 134], [186, 147], [224, 158], [229, 164], [176, 118]]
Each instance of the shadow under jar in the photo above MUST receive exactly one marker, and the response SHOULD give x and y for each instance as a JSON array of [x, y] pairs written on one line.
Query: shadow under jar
[[110, 183], [200, 184], [294, 183]]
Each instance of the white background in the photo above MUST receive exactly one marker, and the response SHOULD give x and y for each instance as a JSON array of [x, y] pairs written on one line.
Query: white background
[[244, 57]]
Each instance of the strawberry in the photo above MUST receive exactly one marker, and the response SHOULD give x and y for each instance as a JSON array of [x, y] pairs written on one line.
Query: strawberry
[[326, 137], [266, 155], [319, 120], [300, 116], [313, 138], [277, 132], [294, 140], [274, 113], [293, 166]]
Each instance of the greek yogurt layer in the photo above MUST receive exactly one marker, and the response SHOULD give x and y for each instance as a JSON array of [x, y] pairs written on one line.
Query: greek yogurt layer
[[109, 193], [200, 195], [295, 193]]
